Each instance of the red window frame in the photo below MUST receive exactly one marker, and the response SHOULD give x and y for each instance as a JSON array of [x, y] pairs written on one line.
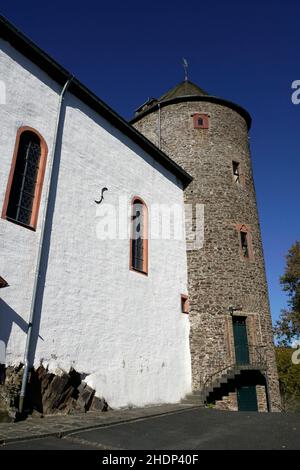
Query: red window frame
[[205, 120], [39, 183]]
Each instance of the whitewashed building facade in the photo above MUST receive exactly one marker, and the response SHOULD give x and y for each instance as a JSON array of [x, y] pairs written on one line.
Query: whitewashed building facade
[[122, 328]]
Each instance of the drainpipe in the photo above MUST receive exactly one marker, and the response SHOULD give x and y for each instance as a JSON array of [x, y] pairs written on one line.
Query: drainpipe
[[40, 251], [159, 126]]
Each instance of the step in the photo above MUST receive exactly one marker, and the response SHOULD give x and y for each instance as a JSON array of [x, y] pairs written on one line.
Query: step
[[191, 401], [196, 393], [193, 398], [222, 380]]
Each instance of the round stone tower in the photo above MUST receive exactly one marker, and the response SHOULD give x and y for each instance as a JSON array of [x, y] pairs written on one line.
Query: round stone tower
[[233, 361]]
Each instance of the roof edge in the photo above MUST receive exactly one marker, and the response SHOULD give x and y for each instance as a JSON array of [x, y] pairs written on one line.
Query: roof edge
[[213, 99], [60, 75]]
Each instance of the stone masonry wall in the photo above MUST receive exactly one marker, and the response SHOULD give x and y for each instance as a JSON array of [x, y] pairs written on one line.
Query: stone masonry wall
[[228, 403], [261, 398], [218, 274]]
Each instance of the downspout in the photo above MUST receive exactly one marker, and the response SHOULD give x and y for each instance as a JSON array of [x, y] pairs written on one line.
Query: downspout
[[33, 306], [159, 127]]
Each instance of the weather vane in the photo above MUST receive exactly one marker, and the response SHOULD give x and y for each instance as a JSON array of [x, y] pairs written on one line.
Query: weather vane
[[185, 66]]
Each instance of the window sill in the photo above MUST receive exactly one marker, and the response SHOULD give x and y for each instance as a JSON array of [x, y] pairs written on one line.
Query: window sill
[[138, 271], [29, 227]]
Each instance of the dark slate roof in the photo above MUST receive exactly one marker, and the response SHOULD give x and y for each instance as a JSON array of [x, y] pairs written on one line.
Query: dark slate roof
[[30, 50], [187, 91]]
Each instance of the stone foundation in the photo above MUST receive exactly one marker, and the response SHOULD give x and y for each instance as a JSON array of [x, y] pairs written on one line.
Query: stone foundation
[[47, 393], [228, 403]]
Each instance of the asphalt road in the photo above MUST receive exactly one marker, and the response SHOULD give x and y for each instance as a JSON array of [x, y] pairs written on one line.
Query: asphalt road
[[190, 430]]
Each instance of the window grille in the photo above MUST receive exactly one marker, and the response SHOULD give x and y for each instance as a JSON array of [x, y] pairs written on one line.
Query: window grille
[[22, 191]]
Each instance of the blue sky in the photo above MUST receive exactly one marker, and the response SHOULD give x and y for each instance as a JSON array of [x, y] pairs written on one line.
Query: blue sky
[[247, 52]]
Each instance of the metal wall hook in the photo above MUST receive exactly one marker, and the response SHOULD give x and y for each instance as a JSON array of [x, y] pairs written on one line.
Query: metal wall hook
[[102, 197]]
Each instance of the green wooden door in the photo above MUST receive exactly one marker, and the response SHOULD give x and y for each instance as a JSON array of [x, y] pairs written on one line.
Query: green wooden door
[[247, 399], [240, 340]]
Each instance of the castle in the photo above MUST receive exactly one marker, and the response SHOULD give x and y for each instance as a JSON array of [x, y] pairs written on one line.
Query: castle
[[141, 319]]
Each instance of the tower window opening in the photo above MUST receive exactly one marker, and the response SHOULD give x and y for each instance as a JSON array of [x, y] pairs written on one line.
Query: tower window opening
[[201, 121], [236, 173], [244, 244]]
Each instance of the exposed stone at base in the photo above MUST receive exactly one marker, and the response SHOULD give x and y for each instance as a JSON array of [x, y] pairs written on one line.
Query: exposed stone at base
[[228, 403], [10, 386], [261, 398], [47, 393]]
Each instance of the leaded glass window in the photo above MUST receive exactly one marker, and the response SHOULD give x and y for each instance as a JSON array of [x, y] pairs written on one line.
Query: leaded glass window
[[22, 192]]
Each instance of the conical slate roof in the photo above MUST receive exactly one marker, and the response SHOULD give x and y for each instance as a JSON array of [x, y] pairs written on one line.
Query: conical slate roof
[[186, 91], [185, 88], [182, 90]]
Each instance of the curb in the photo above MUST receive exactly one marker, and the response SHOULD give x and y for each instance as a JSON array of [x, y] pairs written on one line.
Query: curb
[[60, 434]]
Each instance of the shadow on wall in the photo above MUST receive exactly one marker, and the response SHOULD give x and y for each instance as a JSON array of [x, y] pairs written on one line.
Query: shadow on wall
[[7, 318], [7, 315], [36, 321]]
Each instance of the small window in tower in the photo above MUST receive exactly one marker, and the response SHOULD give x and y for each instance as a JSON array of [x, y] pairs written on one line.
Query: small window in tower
[[236, 173], [244, 244], [201, 121]]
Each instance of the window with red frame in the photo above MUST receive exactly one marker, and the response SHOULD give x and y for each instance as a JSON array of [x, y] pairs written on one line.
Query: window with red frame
[[201, 121], [25, 180]]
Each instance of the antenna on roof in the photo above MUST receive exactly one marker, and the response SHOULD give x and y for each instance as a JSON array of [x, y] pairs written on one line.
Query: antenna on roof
[[185, 66]]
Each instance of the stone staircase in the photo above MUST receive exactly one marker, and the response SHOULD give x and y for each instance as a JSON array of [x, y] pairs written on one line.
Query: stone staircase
[[220, 386], [225, 383], [199, 397]]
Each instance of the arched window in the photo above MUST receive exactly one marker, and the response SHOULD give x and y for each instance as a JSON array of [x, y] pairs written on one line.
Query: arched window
[[139, 236], [25, 181]]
